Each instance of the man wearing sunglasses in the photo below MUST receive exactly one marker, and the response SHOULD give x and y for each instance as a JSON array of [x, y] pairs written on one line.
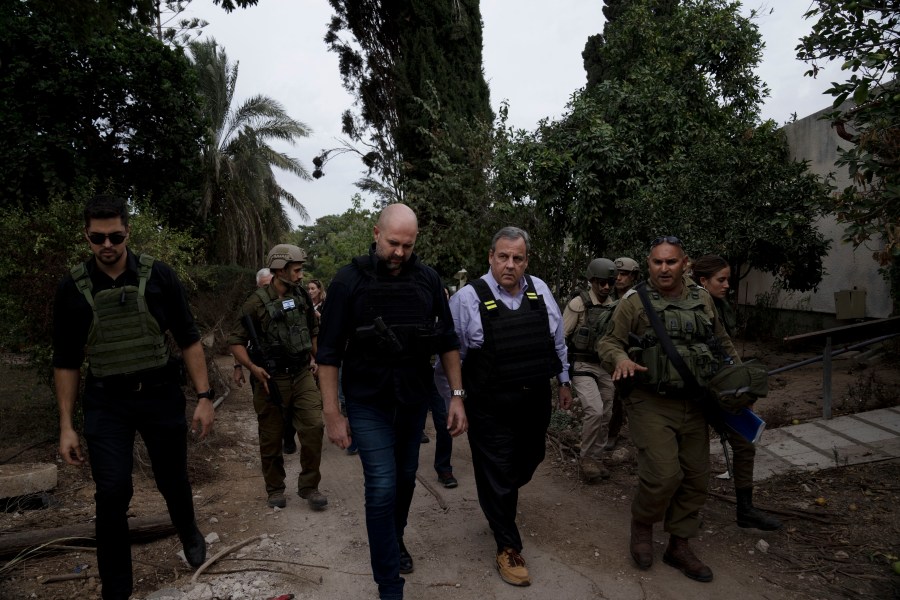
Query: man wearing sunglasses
[[117, 306], [584, 322], [665, 416]]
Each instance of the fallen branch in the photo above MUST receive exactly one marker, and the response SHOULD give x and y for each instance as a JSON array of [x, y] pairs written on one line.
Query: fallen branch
[[440, 499], [276, 560], [784, 512], [222, 553], [263, 569], [62, 547], [67, 577], [140, 529]]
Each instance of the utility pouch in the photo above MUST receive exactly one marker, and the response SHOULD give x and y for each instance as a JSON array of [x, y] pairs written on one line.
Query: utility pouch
[[735, 387], [581, 339], [662, 373]]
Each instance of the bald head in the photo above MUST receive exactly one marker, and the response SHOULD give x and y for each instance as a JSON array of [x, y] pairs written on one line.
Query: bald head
[[395, 236], [395, 215]]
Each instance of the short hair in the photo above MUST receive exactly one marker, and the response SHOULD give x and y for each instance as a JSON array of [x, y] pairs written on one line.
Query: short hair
[[264, 272], [105, 206], [512, 233], [706, 266]]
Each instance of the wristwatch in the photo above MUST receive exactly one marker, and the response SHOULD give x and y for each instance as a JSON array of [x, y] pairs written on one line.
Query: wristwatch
[[458, 394], [566, 384], [208, 394]]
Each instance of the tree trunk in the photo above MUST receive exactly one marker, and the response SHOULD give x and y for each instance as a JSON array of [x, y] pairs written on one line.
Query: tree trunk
[[142, 529]]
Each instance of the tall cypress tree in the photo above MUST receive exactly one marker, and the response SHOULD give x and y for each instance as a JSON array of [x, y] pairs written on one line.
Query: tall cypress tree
[[415, 69]]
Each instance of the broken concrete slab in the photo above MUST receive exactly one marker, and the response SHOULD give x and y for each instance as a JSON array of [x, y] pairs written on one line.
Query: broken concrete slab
[[21, 479]]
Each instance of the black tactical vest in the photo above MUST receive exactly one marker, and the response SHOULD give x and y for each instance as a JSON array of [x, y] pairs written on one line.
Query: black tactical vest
[[518, 349], [397, 320], [124, 337]]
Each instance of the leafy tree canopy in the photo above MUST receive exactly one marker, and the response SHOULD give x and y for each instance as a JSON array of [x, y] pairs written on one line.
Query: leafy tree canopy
[[865, 36], [332, 241], [118, 108], [665, 140], [415, 70]]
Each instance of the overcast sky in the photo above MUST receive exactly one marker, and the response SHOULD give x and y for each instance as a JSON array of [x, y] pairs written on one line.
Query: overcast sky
[[532, 59]]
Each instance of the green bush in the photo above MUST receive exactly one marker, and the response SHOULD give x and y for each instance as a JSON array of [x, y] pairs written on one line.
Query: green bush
[[38, 246]]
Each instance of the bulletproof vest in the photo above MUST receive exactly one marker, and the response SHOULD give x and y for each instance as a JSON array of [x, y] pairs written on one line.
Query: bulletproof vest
[[584, 339], [124, 338], [691, 331], [285, 331], [397, 320], [726, 315], [517, 349]]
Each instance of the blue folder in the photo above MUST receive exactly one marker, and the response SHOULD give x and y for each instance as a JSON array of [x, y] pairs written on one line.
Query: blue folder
[[745, 423]]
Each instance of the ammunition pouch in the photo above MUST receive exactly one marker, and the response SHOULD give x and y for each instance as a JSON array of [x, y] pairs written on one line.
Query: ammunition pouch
[[661, 374]]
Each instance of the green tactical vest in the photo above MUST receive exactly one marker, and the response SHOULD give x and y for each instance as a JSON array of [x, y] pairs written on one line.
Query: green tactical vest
[[285, 334], [690, 328], [585, 338], [124, 337]]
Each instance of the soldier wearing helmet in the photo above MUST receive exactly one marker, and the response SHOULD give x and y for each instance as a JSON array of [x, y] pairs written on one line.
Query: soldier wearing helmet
[[584, 322], [628, 273], [284, 322]]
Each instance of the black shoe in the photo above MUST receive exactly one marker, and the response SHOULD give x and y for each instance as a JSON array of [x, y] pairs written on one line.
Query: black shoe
[[448, 480], [194, 546], [406, 561], [290, 446], [425, 439]]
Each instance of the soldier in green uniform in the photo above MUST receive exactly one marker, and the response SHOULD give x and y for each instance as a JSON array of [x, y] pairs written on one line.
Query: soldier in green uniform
[[665, 416], [713, 272], [284, 322]]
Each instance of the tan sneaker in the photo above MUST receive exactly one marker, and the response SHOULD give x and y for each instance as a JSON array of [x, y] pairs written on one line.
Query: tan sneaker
[[593, 470], [512, 568]]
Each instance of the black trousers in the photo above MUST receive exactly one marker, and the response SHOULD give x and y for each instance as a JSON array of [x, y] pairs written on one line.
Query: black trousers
[[506, 436], [111, 418]]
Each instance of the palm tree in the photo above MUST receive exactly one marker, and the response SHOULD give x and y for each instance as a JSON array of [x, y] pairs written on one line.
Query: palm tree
[[242, 201]]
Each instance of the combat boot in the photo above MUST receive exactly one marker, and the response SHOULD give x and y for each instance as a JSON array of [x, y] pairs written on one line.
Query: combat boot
[[750, 516], [642, 544], [679, 555]]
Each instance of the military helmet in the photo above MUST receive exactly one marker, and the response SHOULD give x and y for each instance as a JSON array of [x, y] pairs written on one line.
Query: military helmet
[[627, 264], [283, 254], [601, 268]]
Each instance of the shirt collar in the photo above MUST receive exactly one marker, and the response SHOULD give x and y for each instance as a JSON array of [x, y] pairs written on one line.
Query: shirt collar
[[496, 287]]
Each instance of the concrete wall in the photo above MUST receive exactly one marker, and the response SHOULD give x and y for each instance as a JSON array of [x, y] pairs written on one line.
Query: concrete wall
[[814, 140]]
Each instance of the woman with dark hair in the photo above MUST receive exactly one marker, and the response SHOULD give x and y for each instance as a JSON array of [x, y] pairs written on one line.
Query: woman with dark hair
[[713, 273]]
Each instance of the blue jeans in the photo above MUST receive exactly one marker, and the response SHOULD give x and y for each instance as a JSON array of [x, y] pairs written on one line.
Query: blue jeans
[[388, 439], [444, 443]]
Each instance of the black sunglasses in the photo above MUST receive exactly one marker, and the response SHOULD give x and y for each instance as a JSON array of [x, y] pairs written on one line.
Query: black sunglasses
[[114, 238], [666, 239]]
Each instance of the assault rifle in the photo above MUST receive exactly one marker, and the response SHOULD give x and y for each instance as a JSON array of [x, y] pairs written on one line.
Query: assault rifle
[[259, 357]]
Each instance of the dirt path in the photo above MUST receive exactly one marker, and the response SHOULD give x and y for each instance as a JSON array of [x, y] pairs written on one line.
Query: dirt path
[[575, 535]]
